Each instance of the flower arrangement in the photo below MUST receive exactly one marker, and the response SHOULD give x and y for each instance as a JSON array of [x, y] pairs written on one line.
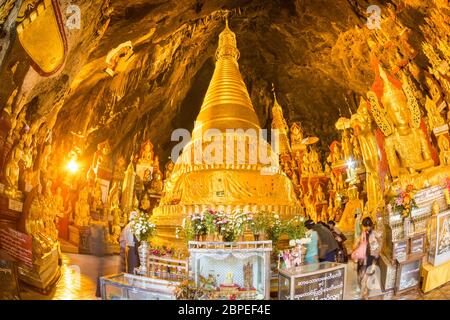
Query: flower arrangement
[[404, 201], [295, 228], [141, 226], [231, 226], [275, 228], [259, 224], [162, 251]]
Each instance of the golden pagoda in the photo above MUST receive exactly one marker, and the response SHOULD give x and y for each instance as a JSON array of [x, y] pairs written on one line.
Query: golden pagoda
[[279, 123], [215, 173]]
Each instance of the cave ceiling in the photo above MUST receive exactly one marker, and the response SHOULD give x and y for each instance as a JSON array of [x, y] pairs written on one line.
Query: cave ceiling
[[315, 52]]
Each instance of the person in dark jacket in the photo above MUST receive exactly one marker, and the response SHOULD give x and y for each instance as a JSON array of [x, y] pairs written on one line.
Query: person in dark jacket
[[328, 246], [342, 254]]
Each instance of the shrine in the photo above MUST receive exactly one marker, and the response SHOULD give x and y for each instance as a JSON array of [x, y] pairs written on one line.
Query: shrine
[[224, 150]]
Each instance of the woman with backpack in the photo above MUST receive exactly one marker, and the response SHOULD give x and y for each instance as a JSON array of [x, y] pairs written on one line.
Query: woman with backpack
[[366, 254]]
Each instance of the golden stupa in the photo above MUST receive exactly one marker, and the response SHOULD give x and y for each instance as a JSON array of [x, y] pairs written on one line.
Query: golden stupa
[[228, 182]]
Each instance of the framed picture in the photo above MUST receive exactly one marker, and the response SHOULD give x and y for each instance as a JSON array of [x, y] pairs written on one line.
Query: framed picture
[[408, 274], [439, 236]]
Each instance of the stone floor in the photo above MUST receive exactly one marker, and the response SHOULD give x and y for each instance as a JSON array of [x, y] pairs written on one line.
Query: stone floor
[[79, 275]]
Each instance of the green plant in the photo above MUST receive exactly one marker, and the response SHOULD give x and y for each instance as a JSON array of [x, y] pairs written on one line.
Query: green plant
[[260, 222], [295, 228], [275, 228]]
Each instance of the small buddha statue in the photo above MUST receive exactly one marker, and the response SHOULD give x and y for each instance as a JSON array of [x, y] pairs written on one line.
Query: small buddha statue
[[169, 169], [115, 229], [347, 221], [156, 185], [320, 196], [435, 119], [229, 279], [146, 154], [335, 155], [330, 210], [114, 203], [346, 145], [323, 215], [444, 150], [12, 170], [296, 136], [59, 202], [82, 209]]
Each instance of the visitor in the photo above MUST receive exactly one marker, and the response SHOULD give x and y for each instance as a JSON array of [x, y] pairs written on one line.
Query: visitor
[[312, 249], [327, 245], [342, 255], [366, 253], [129, 244]]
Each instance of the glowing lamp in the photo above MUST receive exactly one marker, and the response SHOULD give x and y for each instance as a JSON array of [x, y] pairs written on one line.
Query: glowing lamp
[[72, 166]]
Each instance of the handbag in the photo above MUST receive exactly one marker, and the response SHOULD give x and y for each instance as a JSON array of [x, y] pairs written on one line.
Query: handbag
[[360, 252]]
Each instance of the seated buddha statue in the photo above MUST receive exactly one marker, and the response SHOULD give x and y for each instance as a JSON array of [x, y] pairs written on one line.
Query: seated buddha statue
[[406, 145], [320, 196], [146, 154]]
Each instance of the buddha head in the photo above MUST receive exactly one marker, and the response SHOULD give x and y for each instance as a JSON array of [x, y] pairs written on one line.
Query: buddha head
[[395, 103]]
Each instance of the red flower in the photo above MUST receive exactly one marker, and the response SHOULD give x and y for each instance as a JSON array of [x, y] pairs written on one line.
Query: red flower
[[409, 188]]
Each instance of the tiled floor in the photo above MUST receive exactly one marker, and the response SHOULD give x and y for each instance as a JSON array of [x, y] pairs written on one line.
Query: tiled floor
[[79, 275], [78, 281]]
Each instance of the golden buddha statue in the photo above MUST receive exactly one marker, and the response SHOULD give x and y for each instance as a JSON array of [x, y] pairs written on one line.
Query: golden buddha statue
[[323, 215], [444, 150], [279, 123], [296, 135], [82, 209], [346, 145], [169, 169], [330, 209], [146, 154], [361, 123], [435, 119], [12, 170], [406, 145], [156, 186], [347, 221], [115, 229], [335, 156], [320, 196]]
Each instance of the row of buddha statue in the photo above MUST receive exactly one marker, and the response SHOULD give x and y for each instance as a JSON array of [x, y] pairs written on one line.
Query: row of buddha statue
[[97, 203]]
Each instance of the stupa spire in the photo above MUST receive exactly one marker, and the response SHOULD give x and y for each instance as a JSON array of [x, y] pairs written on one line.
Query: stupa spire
[[279, 123], [227, 104]]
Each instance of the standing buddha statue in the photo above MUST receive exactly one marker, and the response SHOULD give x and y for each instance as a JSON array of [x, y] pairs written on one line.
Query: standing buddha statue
[[361, 123]]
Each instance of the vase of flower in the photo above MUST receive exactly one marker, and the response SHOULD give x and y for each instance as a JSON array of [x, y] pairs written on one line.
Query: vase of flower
[[197, 237], [143, 256], [203, 237], [407, 227], [256, 236]]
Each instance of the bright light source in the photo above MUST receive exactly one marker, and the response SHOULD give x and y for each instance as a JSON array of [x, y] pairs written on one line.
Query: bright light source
[[72, 166], [350, 163]]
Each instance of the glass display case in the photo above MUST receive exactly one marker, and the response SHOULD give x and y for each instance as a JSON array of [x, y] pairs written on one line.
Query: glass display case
[[408, 273], [125, 286], [317, 281], [439, 238], [238, 269]]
